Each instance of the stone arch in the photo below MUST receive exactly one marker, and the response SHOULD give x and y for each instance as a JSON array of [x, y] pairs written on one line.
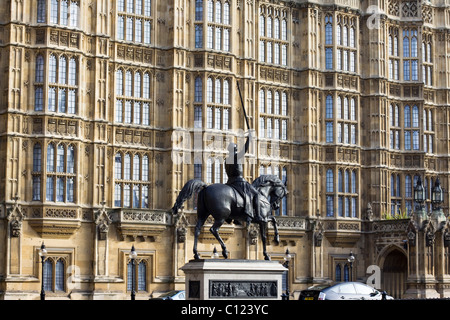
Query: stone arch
[[393, 262]]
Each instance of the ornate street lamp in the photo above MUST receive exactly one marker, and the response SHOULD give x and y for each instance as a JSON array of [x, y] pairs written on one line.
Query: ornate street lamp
[[437, 196], [287, 259], [419, 193], [351, 259], [43, 255], [133, 256]]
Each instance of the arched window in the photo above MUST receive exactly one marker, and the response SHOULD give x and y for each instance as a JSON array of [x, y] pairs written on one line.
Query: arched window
[[198, 89], [346, 273], [70, 159], [145, 168], [128, 84], [415, 116], [353, 181], [209, 90], [37, 156], [338, 274], [329, 107], [52, 69], [118, 166], [41, 11], [39, 77], [262, 101], [136, 167], [62, 78], [330, 181], [48, 275], [60, 155], [218, 90], [407, 115], [226, 92], [328, 30], [119, 82], [262, 25], [137, 85], [142, 276], [51, 158], [59, 275], [127, 167]]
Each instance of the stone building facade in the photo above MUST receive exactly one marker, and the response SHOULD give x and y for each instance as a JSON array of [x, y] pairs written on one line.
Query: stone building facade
[[107, 108]]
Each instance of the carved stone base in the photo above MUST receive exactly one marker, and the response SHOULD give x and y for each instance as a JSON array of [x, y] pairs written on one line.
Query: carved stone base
[[216, 279]]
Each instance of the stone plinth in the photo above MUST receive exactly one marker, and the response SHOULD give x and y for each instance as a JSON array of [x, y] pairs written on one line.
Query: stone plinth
[[216, 279]]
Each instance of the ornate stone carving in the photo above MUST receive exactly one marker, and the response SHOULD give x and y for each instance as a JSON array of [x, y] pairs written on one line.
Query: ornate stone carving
[[102, 220], [15, 217], [242, 289]]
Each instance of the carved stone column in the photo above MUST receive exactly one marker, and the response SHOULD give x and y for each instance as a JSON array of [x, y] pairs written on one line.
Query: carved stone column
[[102, 222]]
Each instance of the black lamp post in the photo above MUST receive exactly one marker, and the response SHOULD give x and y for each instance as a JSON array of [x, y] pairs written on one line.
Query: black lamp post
[[419, 193], [287, 259], [351, 259], [133, 256], [43, 255], [437, 196]]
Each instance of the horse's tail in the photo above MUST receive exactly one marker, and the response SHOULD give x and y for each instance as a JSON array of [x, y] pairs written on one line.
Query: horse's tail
[[191, 187]]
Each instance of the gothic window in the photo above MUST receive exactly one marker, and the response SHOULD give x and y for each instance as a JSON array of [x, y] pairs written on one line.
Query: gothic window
[[394, 126], [411, 128], [330, 193], [139, 271], [132, 180], [428, 129], [396, 199], [273, 42], [54, 275], [273, 114], [218, 104], [346, 129], [338, 273], [134, 21], [62, 12], [346, 193], [218, 25], [132, 97], [345, 41], [198, 10], [427, 59], [328, 42], [62, 89], [410, 61], [393, 52], [61, 173], [39, 84], [37, 171]]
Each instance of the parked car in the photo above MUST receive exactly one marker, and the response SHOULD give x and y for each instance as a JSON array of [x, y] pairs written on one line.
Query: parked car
[[172, 295], [343, 291]]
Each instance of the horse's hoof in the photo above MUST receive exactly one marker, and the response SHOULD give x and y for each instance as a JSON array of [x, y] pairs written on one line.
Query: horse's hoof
[[196, 257], [225, 254], [266, 257]]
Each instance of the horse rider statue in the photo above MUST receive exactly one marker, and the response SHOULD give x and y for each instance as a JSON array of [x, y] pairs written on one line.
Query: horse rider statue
[[235, 172]]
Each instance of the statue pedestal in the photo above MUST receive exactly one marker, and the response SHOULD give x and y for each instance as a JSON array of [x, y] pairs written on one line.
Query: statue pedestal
[[216, 279]]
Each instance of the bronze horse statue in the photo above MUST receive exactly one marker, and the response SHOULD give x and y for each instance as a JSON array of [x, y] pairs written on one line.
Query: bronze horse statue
[[225, 204]]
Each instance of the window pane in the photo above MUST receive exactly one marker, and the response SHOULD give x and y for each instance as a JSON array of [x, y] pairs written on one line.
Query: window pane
[[48, 276], [59, 276]]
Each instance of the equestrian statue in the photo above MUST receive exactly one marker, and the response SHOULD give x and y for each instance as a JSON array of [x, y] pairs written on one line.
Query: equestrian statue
[[237, 200]]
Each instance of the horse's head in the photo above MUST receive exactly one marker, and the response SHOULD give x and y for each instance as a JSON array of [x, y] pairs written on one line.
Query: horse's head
[[272, 188], [278, 192]]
